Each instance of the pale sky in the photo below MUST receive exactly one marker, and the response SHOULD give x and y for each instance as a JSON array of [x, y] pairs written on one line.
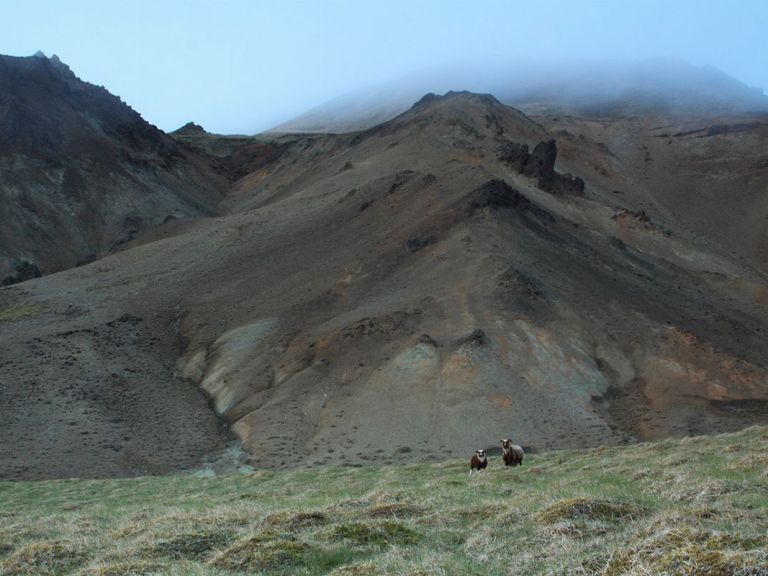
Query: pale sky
[[239, 66]]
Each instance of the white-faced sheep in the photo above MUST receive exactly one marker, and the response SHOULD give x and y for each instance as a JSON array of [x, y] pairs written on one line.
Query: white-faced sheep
[[478, 461], [511, 453]]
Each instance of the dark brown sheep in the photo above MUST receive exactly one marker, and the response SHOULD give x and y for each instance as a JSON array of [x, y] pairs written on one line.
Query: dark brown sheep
[[511, 453]]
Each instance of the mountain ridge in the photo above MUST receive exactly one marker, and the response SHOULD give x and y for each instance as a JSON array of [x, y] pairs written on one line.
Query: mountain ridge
[[82, 171]]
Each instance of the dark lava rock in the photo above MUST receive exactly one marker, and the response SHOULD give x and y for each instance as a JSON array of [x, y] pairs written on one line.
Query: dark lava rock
[[416, 243], [428, 340], [542, 160], [22, 270], [498, 194], [514, 154], [477, 338], [541, 165]]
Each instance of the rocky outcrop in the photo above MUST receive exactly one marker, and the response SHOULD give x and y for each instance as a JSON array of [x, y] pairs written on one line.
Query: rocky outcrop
[[22, 270], [541, 165], [190, 128]]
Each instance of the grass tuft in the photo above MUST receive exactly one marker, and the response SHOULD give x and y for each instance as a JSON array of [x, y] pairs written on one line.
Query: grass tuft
[[388, 533], [586, 509], [280, 556], [126, 569], [688, 552], [296, 520], [364, 569], [44, 558], [194, 546], [395, 510], [256, 554]]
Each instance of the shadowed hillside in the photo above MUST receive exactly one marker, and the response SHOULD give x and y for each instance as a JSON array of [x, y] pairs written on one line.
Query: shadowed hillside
[[82, 173]]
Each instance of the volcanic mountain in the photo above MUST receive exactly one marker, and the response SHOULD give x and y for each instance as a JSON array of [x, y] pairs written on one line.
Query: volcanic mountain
[[416, 290], [81, 172]]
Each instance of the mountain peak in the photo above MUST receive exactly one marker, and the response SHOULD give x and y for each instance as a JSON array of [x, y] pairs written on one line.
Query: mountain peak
[[189, 129], [456, 95]]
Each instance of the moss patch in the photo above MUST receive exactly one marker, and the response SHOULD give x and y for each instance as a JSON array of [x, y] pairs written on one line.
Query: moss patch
[[296, 520], [586, 509], [396, 510], [387, 533], [42, 558], [277, 556], [194, 546], [12, 313]]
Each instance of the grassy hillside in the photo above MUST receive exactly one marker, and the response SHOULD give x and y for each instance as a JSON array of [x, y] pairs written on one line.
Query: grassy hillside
[[693, 506]]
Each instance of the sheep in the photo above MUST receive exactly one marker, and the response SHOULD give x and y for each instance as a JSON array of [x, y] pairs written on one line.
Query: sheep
[[478, 462], [511, 453]]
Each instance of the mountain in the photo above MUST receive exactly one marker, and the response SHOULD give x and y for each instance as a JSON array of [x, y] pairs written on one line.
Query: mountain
[[458, 274], [81, 172], [606, 89]]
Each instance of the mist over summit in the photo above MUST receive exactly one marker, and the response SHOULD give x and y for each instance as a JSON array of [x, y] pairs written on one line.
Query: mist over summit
[[577, 87]]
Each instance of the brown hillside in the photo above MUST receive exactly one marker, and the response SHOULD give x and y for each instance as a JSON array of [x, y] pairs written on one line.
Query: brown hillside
[[416, 290]]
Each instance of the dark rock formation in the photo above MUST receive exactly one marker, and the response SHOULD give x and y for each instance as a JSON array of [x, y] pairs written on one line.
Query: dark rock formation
[[22, 270], [498, 194], [541, 165], [477, 338], [416, 243], [515, 154]]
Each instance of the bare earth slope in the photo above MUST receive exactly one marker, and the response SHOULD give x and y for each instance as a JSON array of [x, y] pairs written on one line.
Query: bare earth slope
[[416, 290], [81, 172]]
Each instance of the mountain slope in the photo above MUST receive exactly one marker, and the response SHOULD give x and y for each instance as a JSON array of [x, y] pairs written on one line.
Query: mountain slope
[[412, 291], [81, 172]]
